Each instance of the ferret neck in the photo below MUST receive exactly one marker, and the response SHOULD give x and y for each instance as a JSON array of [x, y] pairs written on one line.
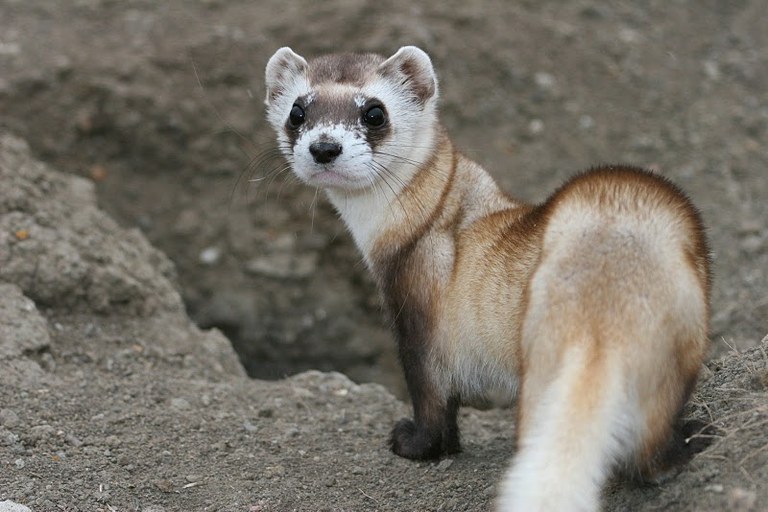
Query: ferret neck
[[398, 209]]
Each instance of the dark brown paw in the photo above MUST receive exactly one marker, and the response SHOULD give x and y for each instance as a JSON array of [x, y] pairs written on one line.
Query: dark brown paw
[[410, 441]]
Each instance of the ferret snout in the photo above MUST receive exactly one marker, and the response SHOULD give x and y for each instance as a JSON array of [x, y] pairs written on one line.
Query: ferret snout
[[325, 152]]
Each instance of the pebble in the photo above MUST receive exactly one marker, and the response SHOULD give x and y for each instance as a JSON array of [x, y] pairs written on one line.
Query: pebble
[[284, 265], [712, 69], [8, 438], [8, 418], [74, 441], [544, 80], [629, 35], [444, 464], [274, 471], [41, 433], [741, 499], [102, 496], [716, 488], [586, 122], [536, 126], [180, 404], [753, 243], [164, 485], [112, 441], [747, 226], [12, 506], [210, 255]]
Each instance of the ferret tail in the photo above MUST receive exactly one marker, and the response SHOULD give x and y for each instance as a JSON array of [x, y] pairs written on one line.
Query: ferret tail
[[571, 433]]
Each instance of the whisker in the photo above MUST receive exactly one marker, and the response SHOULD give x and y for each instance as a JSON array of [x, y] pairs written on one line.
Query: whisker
[[313, 208], [216, 110]]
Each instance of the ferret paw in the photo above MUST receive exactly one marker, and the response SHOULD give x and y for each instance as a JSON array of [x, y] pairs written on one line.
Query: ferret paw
[[412, 442]]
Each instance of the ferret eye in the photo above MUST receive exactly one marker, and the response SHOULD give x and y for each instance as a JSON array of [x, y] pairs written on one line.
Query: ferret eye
[[296, 117], [375, 117]]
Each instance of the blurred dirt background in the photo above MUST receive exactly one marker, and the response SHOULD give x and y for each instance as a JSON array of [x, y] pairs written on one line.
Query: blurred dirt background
[[157, 108]]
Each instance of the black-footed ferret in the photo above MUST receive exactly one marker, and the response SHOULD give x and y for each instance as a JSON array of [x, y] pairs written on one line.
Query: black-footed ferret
[[592, 307]]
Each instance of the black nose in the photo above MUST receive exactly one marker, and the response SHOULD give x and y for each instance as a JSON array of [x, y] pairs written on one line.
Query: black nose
[[325, 152]]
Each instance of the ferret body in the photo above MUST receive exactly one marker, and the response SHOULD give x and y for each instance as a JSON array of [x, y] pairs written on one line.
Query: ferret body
[[591, 308]]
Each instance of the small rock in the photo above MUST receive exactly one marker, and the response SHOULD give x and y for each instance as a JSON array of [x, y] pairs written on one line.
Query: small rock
[[751, 226], [163, 485], [74, 441], [715, 488], [8, 438], [193, 478], [103, 496], [544, 80], [444, 464], [41, 433], [12, 506], [220, 446], [536, 126], [741, 500], [712, 69], [284, 265], [249, 427], [180, 404], [629, 35], [586, 122], [112, 441], [274, 471], [8, 418], [210, 255], [9, 48], [753, 243]]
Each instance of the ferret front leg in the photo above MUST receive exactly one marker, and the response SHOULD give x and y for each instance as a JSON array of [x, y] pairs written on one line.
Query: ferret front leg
[[434, 430]]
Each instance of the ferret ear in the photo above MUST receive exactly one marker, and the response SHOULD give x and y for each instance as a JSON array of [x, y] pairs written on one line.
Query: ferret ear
[[412, 68], [281, 70]]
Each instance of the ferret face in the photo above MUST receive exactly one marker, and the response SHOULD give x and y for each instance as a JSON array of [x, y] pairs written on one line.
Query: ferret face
[[353, 122]]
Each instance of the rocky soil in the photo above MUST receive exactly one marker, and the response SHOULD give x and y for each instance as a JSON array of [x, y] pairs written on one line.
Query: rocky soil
[[111, 398]]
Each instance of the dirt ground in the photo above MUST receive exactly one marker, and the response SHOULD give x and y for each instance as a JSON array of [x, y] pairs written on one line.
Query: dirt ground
[[112, 399]]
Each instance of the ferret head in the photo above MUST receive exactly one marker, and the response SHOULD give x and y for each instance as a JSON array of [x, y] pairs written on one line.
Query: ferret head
[[351, 121]]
